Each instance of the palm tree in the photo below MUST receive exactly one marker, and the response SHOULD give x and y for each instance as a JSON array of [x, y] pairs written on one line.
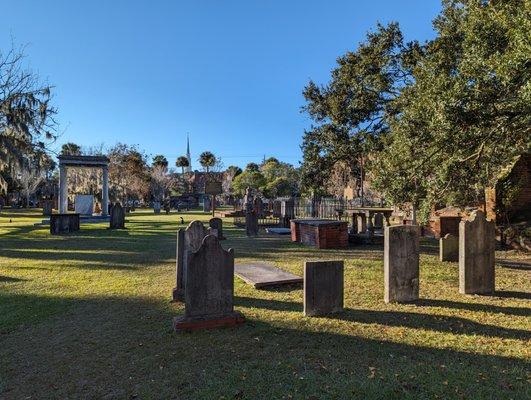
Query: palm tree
[[207, 160], [182, 162], [160, 161]]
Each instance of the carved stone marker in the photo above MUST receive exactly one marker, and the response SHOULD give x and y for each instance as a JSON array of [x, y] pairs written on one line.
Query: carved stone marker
[[251, 223], [449, 248], [209, 291], [84, 204], [117, 220], [323, 287], [287, 212], [188, 241], [401, 263], [156, 207], [64, 223], [207, 204], [47, 207], [476, 255], [216, 225]]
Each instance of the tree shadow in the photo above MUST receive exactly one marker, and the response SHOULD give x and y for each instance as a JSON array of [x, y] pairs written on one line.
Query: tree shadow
[[474, 307], [513, 265], [10, 279], [509, 293]]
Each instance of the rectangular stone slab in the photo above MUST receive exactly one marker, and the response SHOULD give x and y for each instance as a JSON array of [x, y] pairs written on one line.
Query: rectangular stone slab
[[262, 275]]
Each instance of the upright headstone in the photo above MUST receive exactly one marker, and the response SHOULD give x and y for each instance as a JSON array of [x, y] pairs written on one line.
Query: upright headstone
[[47, 207], [207, 204], [251, 223], [84, 204], [323, 287], [287, 212], [401, 263], [449, 248], [476, 255], [258, 206], [216, 225], [156, 207], [209, 291], [117, 220], [188, 241], [64, 223]]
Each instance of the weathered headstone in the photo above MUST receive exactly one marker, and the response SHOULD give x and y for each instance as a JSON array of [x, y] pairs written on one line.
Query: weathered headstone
[[449, 248], [207, 204], [209, 291], [476, 255], [287, 212], [64, 223], [378, 221], [401, 263], [216, 225], [188, 241], [117, 220], [156, 207], [84, 204], [258, 206], [47, 207], [251, 223], [323, 287]]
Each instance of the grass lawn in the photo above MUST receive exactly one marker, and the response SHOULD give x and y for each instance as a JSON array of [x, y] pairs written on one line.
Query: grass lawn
[[88, 316]]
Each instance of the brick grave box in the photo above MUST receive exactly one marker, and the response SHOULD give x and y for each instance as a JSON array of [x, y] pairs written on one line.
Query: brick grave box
[[321, 233]]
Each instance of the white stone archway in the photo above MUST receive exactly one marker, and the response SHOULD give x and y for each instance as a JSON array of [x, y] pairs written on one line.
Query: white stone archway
[[85, 162]]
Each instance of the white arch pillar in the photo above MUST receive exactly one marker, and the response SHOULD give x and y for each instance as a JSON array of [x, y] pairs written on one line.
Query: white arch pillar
[[63, 189]]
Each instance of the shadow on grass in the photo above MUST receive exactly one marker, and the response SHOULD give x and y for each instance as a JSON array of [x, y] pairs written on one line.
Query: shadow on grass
[[136, 334], [513, 265], [510, 293], [474, 307], [10, 279]]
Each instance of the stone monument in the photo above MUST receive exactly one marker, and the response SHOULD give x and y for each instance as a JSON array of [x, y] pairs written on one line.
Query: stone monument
[[323, 287], [209, 290], [216, 225], [476, 255], [188, 241], [156, 207], [84, 204], [47, 207], [449, 248], [117, 220], [401, 263]]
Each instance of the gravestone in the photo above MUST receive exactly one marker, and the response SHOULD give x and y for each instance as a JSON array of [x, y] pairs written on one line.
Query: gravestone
[[287, 212], [64, 223], [323, 287], [216, 224], [258, 207], [449, 248], [47, 207], [209, 291], [156, 207], [207, 204], [251, 223], [188, 241], [84, 204], [378, 221], [476, 255], [117, 220], [401, 263]]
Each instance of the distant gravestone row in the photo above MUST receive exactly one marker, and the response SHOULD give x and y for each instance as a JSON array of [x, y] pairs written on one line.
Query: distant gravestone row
[[205, 280]]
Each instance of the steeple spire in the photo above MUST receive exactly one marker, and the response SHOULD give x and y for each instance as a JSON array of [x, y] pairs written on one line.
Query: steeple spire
[[188, 156]]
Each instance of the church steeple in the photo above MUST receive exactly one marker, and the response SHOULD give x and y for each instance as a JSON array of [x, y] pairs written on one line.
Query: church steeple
[[188, 156]]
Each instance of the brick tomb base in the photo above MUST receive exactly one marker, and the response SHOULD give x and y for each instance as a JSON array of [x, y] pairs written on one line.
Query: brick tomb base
[[321, 233]]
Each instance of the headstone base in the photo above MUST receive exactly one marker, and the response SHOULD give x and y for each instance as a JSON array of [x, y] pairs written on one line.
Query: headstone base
[[184, 324], [178, 295]]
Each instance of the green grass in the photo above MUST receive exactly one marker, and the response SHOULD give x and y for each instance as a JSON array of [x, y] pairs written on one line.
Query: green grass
[[88, 316]]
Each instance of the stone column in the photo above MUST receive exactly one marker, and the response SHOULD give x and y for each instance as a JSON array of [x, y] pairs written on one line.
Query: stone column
[[63, 190], [105, 192]]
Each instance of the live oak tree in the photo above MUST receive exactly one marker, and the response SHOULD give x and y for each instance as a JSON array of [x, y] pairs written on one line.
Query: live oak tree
[[466, 115], [352, 111]]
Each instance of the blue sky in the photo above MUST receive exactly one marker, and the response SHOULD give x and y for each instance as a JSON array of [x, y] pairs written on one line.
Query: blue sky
[[230, 73]]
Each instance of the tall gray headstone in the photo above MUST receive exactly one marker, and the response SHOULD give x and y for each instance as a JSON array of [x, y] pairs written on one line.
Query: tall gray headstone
[[117, 219], [323, 287], [209, 291], [216, 225], [156, 207], [449, 248], [188, 241], [251, 223], [207, 204], [401, 263], [287, 212], [47, 207], [476, 255]]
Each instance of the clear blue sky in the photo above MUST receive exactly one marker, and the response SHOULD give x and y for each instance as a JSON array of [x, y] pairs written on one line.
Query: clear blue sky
[[228, 72]]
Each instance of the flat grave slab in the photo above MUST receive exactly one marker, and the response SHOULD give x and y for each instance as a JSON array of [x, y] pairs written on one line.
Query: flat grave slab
[[261, 274], [279, 231]]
